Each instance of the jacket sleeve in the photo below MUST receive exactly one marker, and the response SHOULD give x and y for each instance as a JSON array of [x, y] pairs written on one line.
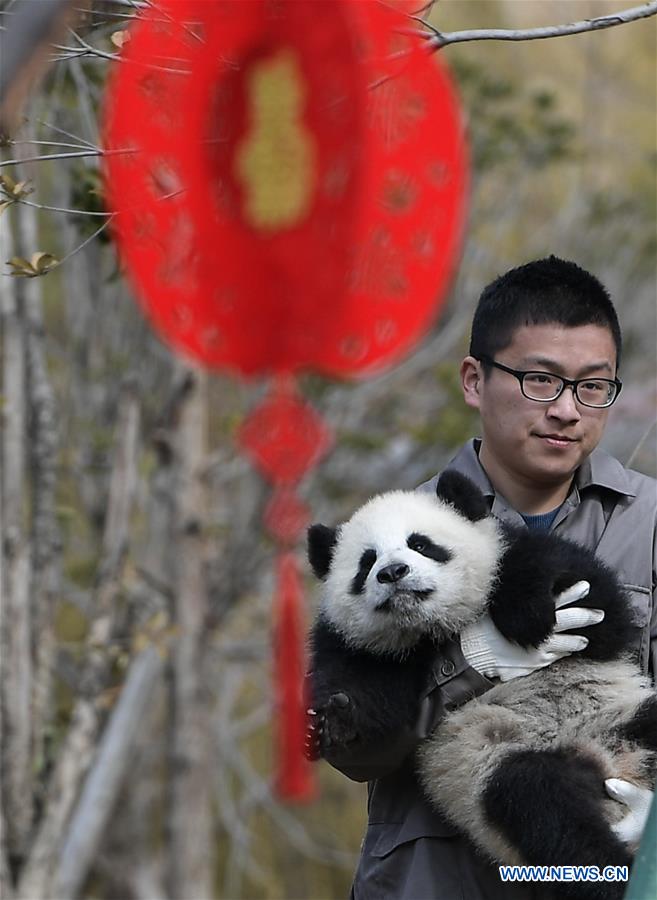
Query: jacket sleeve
[[452, 682]]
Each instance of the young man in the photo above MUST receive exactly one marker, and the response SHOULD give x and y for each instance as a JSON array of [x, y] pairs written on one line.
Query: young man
[[542, 371]]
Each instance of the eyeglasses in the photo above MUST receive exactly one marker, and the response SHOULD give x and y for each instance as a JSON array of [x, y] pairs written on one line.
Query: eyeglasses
[[545, 387]]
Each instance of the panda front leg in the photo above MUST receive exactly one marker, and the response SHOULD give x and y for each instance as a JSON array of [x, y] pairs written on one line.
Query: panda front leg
[[357, 700], [549, 805], [521, 604], [339, 713]]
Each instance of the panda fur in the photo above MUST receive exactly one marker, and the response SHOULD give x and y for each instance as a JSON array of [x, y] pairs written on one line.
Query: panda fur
[[520, 769]]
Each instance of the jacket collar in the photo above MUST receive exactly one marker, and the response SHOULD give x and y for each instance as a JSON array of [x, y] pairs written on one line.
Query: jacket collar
[[598, 470], [602, 470]]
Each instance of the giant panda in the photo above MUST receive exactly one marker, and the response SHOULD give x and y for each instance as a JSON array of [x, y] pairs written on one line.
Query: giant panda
[[521, 769]]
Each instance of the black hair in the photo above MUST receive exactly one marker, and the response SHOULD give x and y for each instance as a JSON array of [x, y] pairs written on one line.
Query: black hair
[[542, 292]]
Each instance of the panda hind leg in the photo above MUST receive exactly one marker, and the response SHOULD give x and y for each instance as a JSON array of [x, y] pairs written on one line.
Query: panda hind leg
[[549, 805]]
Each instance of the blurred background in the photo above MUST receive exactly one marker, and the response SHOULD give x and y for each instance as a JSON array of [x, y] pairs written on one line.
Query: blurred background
[[563, 135]]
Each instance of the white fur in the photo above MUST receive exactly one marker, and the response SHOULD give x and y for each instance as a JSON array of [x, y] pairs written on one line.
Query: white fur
[[459, 587]]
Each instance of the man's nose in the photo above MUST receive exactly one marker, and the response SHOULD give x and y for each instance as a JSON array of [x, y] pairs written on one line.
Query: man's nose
[[565, 406], [393, 572]]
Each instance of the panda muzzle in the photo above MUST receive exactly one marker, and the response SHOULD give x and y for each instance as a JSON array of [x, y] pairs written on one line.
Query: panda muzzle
[[392, 573]]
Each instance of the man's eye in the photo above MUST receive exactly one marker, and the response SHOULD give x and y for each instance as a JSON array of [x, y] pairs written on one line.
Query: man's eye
[[540, 378], [592, 386]]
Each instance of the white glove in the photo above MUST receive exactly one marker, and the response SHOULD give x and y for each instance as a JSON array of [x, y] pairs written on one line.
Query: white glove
[[489, 652], [638, 800]]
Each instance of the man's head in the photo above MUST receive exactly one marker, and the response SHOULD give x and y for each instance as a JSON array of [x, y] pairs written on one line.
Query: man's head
[[546, 291], [553, 318]]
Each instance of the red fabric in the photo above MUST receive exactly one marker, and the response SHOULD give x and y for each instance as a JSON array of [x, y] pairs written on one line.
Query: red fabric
[[293, 778], [350, 284]]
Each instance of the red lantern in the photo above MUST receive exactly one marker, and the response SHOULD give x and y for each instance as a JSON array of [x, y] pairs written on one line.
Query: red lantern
[[289, 182]]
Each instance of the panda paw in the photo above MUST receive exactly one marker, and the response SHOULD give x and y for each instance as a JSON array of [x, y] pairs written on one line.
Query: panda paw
[[331, 726]]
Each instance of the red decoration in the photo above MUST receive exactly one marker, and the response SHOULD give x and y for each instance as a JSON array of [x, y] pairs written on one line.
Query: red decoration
[[284, 436], [292, 779], [289, 186]]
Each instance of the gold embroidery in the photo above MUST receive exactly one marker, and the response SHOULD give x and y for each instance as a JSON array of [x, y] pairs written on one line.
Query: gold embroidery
[[277, 159]]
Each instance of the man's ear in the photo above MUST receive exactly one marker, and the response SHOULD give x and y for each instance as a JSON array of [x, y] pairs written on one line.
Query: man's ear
[[321, 541], [463, 495], [471, 378]]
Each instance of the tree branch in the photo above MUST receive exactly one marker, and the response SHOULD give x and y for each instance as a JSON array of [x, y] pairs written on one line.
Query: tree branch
[[190, 812], [43, 446], [15, 615], [440, 39], [80, 742], [107, 775]]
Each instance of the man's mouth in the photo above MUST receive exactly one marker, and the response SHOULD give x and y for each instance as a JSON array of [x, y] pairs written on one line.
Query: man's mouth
[[557, 440]]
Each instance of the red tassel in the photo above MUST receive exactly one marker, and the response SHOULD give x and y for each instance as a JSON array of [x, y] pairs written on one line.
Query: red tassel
[[293, 780]]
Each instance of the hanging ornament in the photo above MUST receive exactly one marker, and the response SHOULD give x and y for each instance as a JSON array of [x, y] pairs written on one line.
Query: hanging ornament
[[289, 191]]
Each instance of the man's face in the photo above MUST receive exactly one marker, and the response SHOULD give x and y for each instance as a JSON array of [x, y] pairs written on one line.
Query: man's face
[[541, 443]]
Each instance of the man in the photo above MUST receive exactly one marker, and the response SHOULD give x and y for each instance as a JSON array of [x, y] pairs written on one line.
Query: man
[[542, 371]]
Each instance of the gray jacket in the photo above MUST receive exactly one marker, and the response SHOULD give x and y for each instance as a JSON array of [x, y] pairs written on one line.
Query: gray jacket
[[409, 851]]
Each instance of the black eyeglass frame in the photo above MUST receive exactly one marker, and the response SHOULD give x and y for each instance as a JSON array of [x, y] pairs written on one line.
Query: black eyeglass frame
[[565, 382]]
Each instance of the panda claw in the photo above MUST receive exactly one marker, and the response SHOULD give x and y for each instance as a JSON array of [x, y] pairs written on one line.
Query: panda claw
[[314, 733]]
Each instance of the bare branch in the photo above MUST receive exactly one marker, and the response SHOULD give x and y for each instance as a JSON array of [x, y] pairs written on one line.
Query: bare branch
[[61, 209], [15, 617], [107, 775], [442, 39], [190, 803], [76, 155], [79, 745], [82, 245], [43, 447], [74, 137]]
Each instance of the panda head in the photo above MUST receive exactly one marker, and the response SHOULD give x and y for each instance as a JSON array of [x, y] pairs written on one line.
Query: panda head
[[408, 564]]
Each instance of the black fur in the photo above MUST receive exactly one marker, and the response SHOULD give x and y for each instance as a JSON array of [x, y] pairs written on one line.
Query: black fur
[[321, 541], [367, 560], [424, 545], [382, 689], [570, 830], [536, 567], [463, 495]]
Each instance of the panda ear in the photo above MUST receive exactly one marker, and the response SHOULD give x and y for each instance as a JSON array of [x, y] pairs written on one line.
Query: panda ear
[[321, 541], [463, 494]]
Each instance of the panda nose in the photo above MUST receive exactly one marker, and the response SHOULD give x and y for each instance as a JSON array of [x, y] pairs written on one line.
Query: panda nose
[[394, 572]]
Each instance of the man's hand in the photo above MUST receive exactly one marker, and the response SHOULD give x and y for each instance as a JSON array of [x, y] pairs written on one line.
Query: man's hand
[[638, 800], [490, 653]]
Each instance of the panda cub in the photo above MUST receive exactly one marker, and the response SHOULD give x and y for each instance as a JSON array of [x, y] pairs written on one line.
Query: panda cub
[[521, 769]]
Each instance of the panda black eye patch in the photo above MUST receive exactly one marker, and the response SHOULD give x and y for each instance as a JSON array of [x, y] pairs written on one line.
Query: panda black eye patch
[[424, 545], [367, 560]]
